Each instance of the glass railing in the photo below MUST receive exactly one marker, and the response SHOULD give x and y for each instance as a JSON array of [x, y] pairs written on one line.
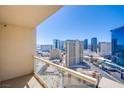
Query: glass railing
[[57, 76]]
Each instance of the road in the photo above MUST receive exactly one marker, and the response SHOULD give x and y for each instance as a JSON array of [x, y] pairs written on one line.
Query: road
[[103, 73]]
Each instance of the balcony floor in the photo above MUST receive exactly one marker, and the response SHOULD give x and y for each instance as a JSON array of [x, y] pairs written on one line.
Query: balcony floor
[[19, 82]]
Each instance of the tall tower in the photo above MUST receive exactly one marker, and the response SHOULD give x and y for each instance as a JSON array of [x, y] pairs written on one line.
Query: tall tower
[[74, 52], [62, 45], [56, 43], [94, 44], [85, 43], [118, 45]]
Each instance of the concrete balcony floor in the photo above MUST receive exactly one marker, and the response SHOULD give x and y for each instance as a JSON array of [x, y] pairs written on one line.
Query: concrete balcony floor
[[21, 82]]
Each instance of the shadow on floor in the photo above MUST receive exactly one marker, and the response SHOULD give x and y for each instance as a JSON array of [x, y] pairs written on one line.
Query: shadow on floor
[[18, 82]]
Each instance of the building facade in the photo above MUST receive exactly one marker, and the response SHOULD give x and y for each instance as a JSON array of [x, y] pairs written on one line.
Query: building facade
[[74, 52], [62, 45], [85, 43], [118, 45], [94, 44], [46, 48], [56, 43], [104, 48]]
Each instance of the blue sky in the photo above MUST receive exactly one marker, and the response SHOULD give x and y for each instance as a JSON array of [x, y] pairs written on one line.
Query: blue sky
[[81, 22]]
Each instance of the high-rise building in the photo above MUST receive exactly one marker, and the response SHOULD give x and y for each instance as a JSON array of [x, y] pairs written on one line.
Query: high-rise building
[[104, 48], [118, 45], [94, 44], [62, 45], [85, 44], [74, 52], [114, 45], [46, 48], [56, 43]]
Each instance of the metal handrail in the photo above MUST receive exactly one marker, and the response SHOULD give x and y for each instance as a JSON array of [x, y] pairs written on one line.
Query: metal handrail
[[70, 71]]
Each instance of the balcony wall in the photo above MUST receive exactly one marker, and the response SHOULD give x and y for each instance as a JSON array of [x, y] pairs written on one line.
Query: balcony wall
[[17, 45]]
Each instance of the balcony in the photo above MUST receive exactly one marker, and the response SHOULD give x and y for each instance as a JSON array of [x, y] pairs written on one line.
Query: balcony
[[44, 77], [18, 69], [50, 75], [59, 76], [18, 37]]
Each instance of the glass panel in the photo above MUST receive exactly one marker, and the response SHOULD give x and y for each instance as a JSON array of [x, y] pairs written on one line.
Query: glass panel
[[57, 78]]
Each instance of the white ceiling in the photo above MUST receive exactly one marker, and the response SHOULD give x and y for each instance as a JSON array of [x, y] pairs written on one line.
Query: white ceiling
[[26, 15]]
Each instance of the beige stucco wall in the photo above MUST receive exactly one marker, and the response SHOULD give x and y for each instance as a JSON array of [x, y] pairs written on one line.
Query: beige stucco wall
[[17, 45]]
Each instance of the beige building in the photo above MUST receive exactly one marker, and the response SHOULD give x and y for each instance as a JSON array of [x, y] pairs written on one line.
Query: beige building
[[74, 52], [104, 48]]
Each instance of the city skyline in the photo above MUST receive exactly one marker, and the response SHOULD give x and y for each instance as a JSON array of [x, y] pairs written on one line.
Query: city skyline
[[81, 22]]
